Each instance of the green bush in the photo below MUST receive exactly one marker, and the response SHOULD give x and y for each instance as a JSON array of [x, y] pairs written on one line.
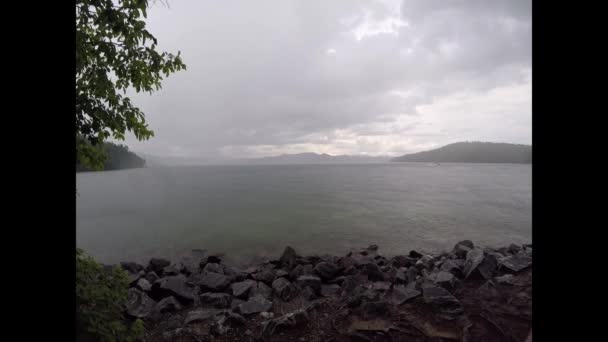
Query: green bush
[[100, 299]]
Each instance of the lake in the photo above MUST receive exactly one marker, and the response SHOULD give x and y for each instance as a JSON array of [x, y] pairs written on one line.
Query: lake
[[254, 211]]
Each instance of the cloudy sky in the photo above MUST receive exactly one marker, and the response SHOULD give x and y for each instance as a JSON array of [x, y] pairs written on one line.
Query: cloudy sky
[[376, 77]]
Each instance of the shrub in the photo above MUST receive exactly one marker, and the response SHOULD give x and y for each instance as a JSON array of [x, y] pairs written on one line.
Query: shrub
[[100, 301]]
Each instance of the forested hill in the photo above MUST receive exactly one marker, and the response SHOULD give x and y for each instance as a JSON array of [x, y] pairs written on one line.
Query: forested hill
[[473, 152], [119, 157]]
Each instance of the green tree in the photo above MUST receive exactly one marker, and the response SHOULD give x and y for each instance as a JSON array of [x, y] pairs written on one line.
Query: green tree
[[114, 52]]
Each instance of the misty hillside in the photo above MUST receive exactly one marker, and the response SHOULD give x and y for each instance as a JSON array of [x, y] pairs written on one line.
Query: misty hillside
[[314, 158], [119, 157], [473, 152]]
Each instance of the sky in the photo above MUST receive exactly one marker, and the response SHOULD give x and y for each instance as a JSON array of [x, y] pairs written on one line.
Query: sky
[[359, 77]]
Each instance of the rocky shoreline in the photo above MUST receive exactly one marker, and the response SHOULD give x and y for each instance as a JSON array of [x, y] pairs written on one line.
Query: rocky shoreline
[[468, 294]]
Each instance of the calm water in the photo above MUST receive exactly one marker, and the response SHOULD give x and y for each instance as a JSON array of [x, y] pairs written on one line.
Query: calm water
[[249, 211]]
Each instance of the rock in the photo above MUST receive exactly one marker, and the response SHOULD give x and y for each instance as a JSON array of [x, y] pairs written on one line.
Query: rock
[[298, 318], [241, 289], [138, 304], [338, 280], [152, 277], [443, 279], [349, 284], [132, 267], [400, 276], [425, 262], [513, 248], [381, 286], [516, 262], [216, 300], [284, 289], [401, 294], [281, 274], [289, 258], [188, 265], [507, 279], [235, 303], [467, 243], [214, 282], [488, 266], [260, 289], [215, 258], [308, 293], [172, 269], [411, 274], [370, 309], [461, 251], [173, 286], [157, 265], [415, 255], [199, 316], [132, 278], [266, 315], [448, 306], [214, 268], [403, 261], [144, 285], [309, 280], [255, 304], [167, 304], [373, 272], [226, 322], [266, 275], [301, 270], [326, 270], [474, 258], [452, 267], [330, 290]]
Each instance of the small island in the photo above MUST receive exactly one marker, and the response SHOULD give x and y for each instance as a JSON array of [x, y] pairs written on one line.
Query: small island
[[118, 158], [473, 152]]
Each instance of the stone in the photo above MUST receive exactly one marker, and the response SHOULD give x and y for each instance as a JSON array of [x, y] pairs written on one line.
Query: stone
[[298, 318], [255, 304], [235, 303], [403, 261], [373, 272], [308, 293], [172, 269], [138, 304], [167, 304], [516, 262], [371, 309], [401, 293], [266, 275], [214, 267], [173, 286], [189, 265], [215, 258], [381, 286], [452, 267], [132, 267], [157, 265], [474, 258], [199, 316], [214, 282], [443, 279], [144, 285], [467, 243], [513, 248], [301, 270], [289, 258], [284, 289], [309, 280], [326, 270], [152, 277], [448, 306], [266, 315], [461, 251], [241, 289], [330, 290], [425, 262], [415, 255], [281, 274], [132, 278], [260, 289], [411, 274], [373, 248], [338, 280], [216, 300], [226, 322], [488, 266], [400, 276], [507, 279]]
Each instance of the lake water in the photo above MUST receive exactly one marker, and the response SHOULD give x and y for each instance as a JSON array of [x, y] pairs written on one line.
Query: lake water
[[256, 210]]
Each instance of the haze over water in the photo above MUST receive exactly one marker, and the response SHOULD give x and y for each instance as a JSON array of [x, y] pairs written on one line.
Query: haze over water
[[256, 210]]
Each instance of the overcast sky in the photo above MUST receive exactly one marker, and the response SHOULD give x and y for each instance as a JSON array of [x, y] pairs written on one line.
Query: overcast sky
[[370, 77]]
